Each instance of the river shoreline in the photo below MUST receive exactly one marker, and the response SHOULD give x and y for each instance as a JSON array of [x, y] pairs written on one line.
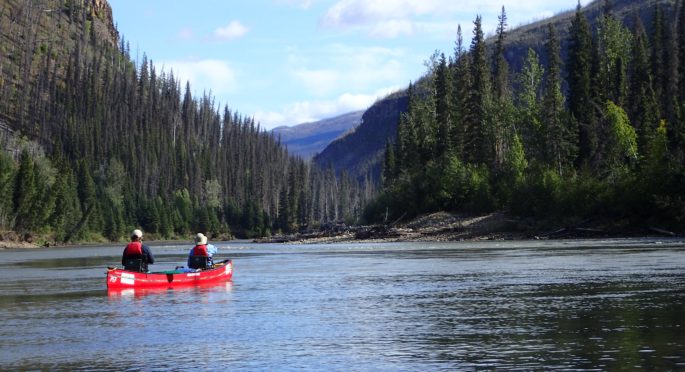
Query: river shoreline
[[435, 227], [446, 227]]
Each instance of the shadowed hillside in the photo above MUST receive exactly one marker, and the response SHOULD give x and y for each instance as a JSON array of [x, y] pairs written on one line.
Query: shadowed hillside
[[361, 151], [308, 139]]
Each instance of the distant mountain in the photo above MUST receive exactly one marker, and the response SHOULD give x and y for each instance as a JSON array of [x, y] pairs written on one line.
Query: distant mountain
[[308, 139], [361, 152]]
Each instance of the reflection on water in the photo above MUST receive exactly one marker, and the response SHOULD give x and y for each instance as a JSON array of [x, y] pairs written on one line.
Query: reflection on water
[[598, 305], [181, 291]]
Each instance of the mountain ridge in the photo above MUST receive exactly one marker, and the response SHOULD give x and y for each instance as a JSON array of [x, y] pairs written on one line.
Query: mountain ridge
[[308, 139]]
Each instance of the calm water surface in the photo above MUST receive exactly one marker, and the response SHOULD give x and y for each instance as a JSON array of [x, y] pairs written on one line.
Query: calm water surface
[[588, 305]]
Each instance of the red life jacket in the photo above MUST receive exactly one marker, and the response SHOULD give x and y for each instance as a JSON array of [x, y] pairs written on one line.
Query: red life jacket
[[200, 250], [134, 249]]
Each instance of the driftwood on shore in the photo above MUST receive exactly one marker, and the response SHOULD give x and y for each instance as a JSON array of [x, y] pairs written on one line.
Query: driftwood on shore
[[335, 232], [444, 226], [440, 226]]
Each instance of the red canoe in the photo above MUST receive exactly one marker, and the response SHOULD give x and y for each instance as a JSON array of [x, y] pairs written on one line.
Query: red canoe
[[122, 279]]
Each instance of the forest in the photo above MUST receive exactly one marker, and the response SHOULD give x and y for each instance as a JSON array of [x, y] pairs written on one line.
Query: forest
[[596, 136], [98, 142]]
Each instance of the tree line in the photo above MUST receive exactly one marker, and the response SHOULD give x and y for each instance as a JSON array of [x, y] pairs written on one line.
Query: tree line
[[600, 134], [97, 144]]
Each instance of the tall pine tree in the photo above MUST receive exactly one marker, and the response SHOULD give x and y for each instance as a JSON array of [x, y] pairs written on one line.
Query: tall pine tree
[[559, 138], [643, 105], [478, 147], [579, 69]]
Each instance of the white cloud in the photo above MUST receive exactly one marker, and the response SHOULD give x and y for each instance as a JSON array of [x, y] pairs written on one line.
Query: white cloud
[[356, 12], [303, 4], [233, 30], [318, 82], [394, 18], [204, 75], [309, 111], [392, 28], [348, 68]]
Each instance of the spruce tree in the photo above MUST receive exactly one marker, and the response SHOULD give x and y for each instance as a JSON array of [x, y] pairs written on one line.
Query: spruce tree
[[529, 114], [24, 192], [579, 68], [7, 184], [658, 52], [671, 68], [643, 108], [389, 165], [502, 116], [477, 145], [443, 109], [461, 79], [501, 67], [559, 138]]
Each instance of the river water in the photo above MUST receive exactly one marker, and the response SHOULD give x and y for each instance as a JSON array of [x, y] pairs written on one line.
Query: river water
[[541, 305]]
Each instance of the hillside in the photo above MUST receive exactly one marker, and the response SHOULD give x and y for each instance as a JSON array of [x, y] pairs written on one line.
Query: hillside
[[362, 156], [359, 152], [308, 139], [94, 143], [38, 39]]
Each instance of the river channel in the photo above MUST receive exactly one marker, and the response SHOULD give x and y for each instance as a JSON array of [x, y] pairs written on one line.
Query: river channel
[[513, 305]]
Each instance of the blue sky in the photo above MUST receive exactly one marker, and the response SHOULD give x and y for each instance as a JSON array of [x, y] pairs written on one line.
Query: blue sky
[[287, 62]]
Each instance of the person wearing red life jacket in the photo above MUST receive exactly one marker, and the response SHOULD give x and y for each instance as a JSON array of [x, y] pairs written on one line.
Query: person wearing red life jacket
[[136, 249], [201, 248]]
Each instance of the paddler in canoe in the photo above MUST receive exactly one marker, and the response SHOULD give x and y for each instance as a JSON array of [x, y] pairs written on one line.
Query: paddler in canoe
[[137, 255], [200, 256]]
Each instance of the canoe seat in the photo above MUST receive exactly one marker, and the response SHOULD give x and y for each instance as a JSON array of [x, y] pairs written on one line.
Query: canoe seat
[[200, 262], [133, 264]]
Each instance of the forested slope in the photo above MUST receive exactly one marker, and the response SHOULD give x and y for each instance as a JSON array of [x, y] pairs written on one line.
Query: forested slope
[[358, 160], [96, 144], [596, 132]]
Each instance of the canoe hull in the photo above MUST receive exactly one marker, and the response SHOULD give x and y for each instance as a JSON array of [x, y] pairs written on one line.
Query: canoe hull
[[123, 279]]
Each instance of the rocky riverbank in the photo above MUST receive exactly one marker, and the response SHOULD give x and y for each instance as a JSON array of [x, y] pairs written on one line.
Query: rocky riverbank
[[10, 239], [443, 226]]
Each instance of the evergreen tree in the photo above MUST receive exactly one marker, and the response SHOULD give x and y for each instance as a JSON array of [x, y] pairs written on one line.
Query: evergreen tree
[[24, 193], [503, 104], [559, 137], [579, 68], [514, 169], [86, 189], [643, 105], [67, 211], [612, 49], [462, 82], [501, 67], [7, 182], [443, 109], [656, 161], [614, 43], [530, 82], [658, 52], [389, 166], [477, 146], [671, 103], [407, 146]]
